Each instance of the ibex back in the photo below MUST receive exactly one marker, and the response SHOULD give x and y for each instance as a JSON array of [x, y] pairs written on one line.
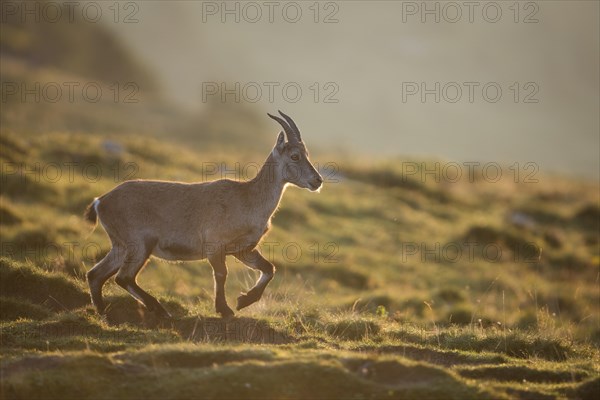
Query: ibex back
[[192, 221]]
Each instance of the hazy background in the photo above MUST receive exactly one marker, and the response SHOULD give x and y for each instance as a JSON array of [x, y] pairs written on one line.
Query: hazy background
[[359, 60], [370, 52]]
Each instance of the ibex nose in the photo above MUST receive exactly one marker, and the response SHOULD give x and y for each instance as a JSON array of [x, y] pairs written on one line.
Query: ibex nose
[[319, 181], [316, 183]]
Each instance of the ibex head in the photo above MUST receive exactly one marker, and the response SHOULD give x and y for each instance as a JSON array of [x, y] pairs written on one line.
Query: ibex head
[[292, 157]]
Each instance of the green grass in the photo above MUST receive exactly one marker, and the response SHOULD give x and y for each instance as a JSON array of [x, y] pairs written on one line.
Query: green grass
[[352, 315]]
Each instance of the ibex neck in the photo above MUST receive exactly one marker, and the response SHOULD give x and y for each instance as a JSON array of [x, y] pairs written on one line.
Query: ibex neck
[[268, 185]]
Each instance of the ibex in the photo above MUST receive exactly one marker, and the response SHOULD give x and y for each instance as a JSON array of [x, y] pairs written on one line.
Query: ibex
[[179, 221]]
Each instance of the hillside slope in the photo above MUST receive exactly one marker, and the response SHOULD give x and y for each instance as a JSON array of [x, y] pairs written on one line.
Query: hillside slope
[[389, 284]]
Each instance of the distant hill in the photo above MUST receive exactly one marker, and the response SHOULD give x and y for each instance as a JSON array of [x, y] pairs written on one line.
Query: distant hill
[[73, 46], [73, 75]]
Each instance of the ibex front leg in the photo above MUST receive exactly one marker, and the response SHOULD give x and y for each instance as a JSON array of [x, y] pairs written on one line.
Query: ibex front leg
[[255, 260], [217, 261]]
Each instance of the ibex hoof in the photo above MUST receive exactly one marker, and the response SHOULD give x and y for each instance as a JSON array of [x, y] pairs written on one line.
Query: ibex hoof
[[226, 312], [244, 301]]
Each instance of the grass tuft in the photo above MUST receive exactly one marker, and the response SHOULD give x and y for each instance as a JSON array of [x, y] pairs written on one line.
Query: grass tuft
[[54, 290]]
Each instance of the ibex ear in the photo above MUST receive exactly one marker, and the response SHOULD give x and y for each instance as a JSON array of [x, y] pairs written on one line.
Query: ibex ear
[[280, 142]]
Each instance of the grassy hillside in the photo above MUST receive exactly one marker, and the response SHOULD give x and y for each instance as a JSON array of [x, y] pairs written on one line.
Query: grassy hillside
[[388, 285]]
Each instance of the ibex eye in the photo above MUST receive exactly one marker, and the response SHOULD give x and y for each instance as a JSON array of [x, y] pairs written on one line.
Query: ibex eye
[[295, 157]]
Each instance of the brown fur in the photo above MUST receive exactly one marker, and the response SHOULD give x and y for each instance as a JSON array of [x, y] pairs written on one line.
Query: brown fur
[[191, 221]]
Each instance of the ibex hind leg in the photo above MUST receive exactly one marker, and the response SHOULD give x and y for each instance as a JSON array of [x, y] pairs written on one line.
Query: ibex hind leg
[[101, 272], [137, 257], [255, 260]]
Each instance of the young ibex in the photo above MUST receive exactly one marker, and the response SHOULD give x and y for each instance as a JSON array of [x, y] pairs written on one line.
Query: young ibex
[[191, 221]]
